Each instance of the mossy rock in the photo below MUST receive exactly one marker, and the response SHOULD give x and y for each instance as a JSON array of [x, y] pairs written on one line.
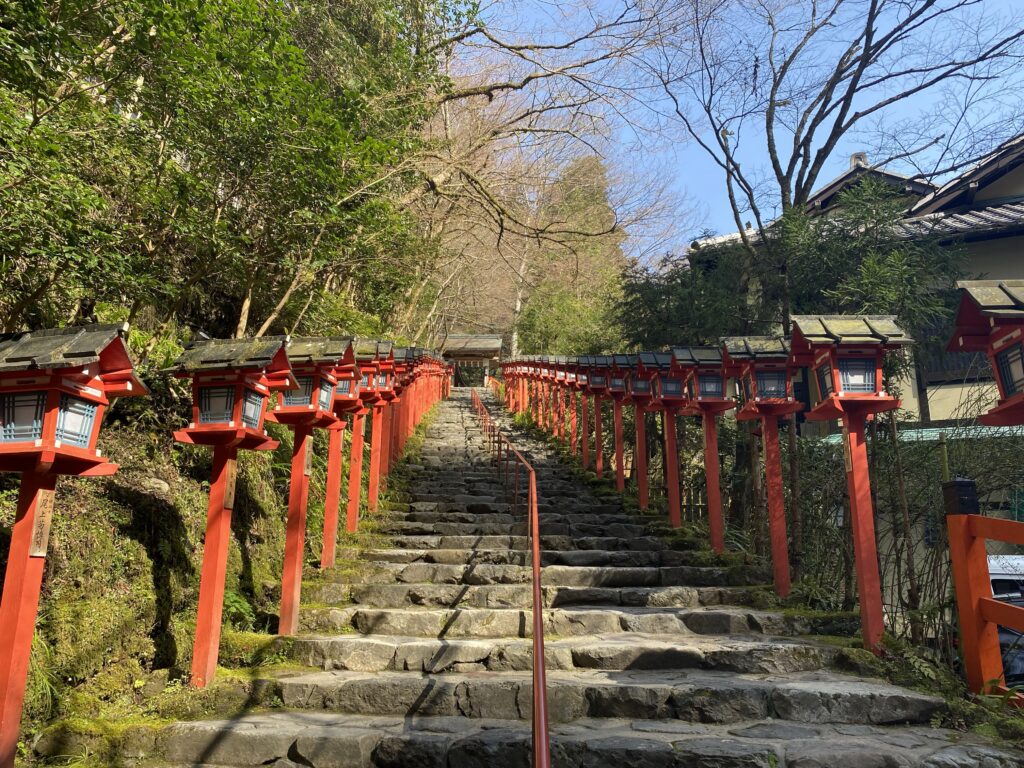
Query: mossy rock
[[859, 661]]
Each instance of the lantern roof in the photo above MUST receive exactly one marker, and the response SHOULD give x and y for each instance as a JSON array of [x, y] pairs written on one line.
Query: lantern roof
[[847, 329], [67, 347], [655, 360], [756, 348], [75, 347], [625, 361], [311, 349], [244, 354], [690, 357], [370, 350], [985, 304]]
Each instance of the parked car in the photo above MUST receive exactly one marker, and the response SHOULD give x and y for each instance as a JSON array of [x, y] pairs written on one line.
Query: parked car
[[1006, 573]]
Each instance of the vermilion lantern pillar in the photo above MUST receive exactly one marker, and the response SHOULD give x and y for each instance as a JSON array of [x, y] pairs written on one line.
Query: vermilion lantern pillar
[[571, 388], [846, 354], [622, 366], [990, 319], [599, 370], [366, 366], [639, 384], [54, 388], [346, 404], [765, 390], [231, 381], [307, 407], [706, 397], [669, 391], [583, 385]]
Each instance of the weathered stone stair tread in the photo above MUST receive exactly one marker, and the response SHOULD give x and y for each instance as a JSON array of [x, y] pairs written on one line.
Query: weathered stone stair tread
[[520, 595], [505, 556], [481, 528], [561, 543], [330, 740], [698, 696], [501, 622], [560, 575], [368, 653]]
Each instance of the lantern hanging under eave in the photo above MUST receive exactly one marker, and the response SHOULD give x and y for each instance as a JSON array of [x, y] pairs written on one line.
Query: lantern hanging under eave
[[763, 373], [705, 378], [54, 388], [232, 380], [845, 354], [990, 319], [317, 364]]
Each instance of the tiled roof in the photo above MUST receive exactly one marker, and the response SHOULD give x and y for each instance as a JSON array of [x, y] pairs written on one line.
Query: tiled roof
[[244, 354], [992, 218], [470, 345], [756, 347], [56, 347], [863, 329], [319, 350], [996, 298], [691, 356]]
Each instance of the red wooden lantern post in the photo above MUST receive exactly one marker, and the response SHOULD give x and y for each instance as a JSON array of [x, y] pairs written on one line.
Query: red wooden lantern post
[[639, 384], [346, 404], [561, 390], [583, 386], [990, 319], [599, 369], [570, 390], [54, 388], [765, 390], [706, 395], [622, 365], [310, 406], [366, 366], [846, 355], [378, 425], [231, 382], [669, 392]]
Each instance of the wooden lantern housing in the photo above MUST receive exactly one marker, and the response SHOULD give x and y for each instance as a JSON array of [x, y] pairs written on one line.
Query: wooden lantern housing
[[705, 377], [669, 384], [845, 354], [599, 371], [622, 367], [316, 364], [54, 388], [764, 376], [368, 366], [640, 381], [231, 381], [990, 319]]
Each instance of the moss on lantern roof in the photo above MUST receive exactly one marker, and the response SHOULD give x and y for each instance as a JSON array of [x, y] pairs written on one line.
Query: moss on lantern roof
[[67, 347], [756, 347], [243, 354], [691, 356], [371, 349], [313, 349], [996, 298], [850, 329]]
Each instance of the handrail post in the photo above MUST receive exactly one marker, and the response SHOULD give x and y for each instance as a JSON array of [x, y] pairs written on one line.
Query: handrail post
[[979, 639]]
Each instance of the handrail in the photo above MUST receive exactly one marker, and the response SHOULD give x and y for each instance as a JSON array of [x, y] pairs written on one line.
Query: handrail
[[980, 613], [509, 459]]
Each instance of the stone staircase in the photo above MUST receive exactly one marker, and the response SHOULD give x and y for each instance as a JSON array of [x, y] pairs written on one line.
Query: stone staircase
[[654, 656]]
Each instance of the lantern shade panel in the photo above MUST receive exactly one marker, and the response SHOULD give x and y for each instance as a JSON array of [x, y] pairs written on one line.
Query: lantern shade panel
[[771, 384], [216, 404], [75, 420], [253, 405], [857, 374], [21, 416], [1010, 363]]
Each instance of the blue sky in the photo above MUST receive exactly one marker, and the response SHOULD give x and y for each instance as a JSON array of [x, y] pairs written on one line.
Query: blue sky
[[695, 177]]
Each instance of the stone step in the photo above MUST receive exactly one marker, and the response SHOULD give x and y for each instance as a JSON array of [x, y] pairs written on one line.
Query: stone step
[[693, 696], [377, 653], [562, 575], [521, 596], [548, 542], [331, 740], [592, 557], [613, 530], [558, 622], [581, 517]]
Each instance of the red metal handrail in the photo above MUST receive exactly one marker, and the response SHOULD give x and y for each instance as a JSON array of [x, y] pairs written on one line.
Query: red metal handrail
[[980, 613], [508, 459]]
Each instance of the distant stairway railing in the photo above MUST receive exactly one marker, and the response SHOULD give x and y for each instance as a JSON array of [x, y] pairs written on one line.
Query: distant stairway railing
[[508, 461]]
